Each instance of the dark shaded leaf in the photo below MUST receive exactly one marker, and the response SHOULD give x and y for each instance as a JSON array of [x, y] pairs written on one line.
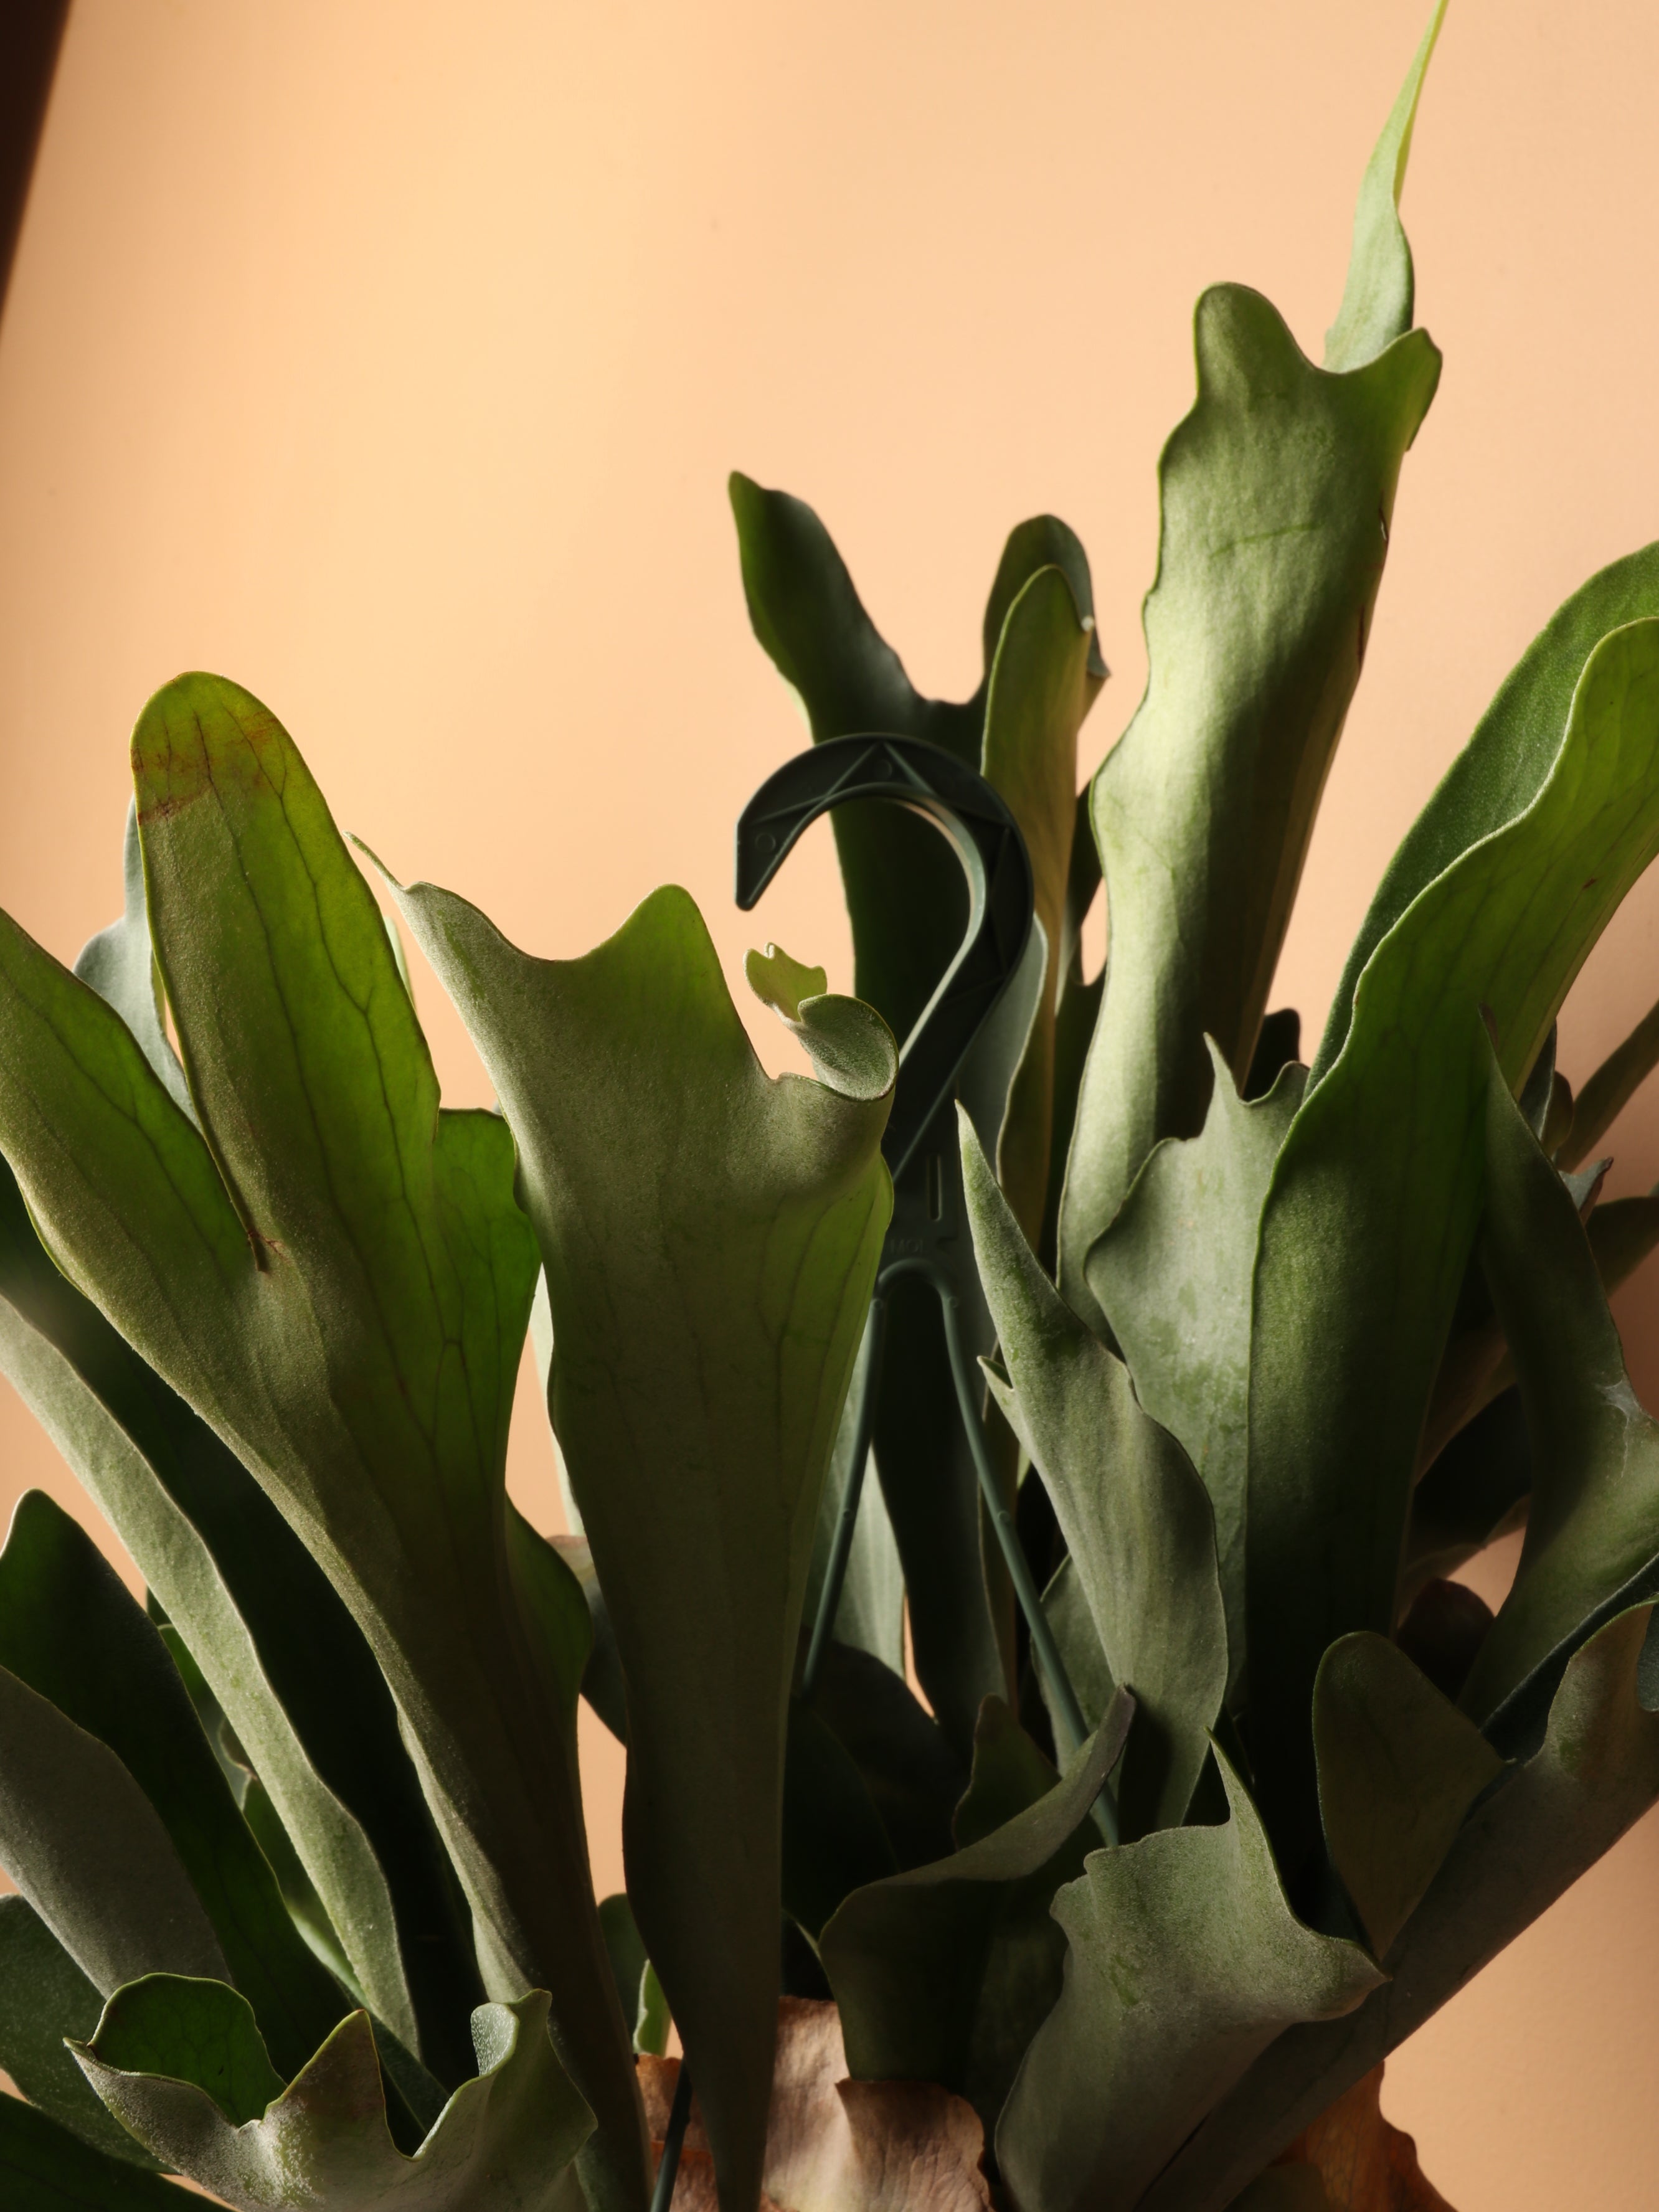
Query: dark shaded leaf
[[44, 2168], [1476, 1491], [1276, 494], [1278, 1046], [906, 898], [833, 1842], [1610, 1090], [86, 1847], [637, 1987], [944, 1974], [1622, 1232], [556, 1609], [1596, 1773], [1185, 1961], [338, 1278], [45, 1997], [1441, 1632], [602, 1678], [68, 1629], [913, 1776], [870, 1616]]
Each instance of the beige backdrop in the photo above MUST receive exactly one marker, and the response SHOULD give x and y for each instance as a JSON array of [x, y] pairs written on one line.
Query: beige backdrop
[[390, 357]]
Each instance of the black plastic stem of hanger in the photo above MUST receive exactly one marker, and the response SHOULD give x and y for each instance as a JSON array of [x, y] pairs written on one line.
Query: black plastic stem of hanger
[[928, 1235]]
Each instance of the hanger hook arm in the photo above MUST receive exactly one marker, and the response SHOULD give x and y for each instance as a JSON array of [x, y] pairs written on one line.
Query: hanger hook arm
[[976, 822]]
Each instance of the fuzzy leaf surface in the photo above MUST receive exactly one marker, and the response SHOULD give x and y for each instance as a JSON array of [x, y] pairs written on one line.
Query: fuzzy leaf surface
[[1184, 1962], [1136, 1518], [1371, 1220], [337, 1277], [1276, 494], [710, 1239], [1592, 1542], [181, 2065], [1398, 1768], [1173, 1276], [907, 900]]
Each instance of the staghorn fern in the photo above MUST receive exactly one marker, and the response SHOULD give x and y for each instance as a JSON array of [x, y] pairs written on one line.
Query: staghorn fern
[[305, 1911]]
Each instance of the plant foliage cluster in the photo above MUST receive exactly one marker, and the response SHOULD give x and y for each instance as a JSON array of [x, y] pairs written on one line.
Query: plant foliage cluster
[[304, 1909]]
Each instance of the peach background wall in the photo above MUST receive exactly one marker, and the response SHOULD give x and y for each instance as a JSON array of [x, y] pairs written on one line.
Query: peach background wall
[[390, 356]]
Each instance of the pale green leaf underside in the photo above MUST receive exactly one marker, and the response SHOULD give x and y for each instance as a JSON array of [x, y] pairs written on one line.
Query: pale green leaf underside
[[1371, 1219], [942, 1973], [709, 1238], [1596, 1772]]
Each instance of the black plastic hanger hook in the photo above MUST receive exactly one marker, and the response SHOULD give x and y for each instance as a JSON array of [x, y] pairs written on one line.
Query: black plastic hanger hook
[[986, 840]]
